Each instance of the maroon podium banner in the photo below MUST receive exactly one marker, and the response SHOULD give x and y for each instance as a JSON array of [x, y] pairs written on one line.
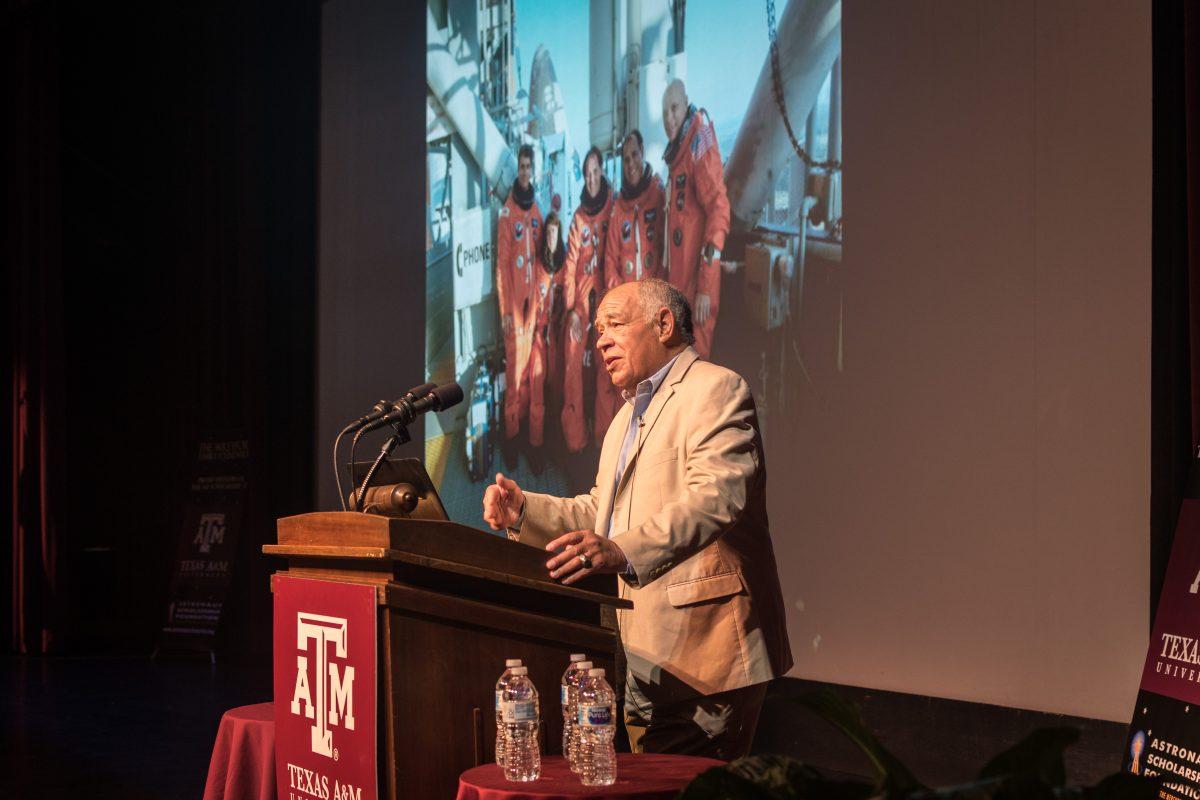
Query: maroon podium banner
[[326, 742], [1164, 736]]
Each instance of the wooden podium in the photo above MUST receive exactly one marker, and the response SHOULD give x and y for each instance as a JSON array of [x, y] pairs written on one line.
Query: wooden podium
[[454, 603]]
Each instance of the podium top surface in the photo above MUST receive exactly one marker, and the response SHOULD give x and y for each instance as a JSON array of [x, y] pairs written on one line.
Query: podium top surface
[[433, 544]]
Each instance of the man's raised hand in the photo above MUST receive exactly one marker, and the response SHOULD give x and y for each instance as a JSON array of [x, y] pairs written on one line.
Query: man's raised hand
[[502, 503]]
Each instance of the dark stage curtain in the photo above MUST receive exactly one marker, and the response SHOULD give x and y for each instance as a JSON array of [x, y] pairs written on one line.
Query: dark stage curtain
[[1175, 358], [161, 169], [34, 255]]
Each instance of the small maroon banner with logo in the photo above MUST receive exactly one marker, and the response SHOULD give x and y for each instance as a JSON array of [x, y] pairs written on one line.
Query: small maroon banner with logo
[[1164, 738], [1173, 662], [326, 742]]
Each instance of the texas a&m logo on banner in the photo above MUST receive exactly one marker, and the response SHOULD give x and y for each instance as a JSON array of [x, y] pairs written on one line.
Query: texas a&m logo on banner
[[325, 690], [334, 687], [210, 531]]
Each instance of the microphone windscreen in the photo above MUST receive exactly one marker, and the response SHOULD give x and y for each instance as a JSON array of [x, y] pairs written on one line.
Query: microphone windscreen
[[449, 394]]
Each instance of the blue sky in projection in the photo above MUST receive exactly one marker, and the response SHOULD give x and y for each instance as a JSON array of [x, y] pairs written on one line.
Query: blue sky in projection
[[725, 41]]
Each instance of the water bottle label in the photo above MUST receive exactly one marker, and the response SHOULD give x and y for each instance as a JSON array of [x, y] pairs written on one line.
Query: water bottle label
[[563, 696], [595, 716], [499, 698], [519, 711]]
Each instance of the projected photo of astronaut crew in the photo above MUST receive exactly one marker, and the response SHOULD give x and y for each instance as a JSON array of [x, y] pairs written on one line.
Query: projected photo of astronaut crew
[[649, 139]]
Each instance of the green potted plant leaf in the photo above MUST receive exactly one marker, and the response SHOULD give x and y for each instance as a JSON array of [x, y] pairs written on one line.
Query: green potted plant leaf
[[1033, 769]]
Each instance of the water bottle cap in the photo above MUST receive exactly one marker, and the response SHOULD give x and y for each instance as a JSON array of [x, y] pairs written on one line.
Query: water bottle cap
[[595, 673], [584, 665], [512, 662], [578, 656], [520, 671]]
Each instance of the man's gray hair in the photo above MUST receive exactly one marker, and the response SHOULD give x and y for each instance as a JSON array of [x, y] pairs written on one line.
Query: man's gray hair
[[655, 293]]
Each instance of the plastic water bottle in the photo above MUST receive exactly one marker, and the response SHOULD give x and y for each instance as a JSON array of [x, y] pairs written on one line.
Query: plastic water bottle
[[520, 712], [597, 726], [500, 686], [569, 699], [575, 676]]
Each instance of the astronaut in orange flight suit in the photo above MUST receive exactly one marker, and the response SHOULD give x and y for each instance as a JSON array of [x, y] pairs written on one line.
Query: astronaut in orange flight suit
[[634, 249], [518, 235], [697, 210], [546, 357], [585, 264]]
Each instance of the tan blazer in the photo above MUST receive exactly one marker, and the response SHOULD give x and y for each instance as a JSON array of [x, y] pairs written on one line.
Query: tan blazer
[[707, 613]]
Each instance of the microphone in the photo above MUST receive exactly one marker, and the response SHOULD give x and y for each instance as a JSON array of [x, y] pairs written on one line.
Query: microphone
[[416, 393], [383, 407], [437, 399]]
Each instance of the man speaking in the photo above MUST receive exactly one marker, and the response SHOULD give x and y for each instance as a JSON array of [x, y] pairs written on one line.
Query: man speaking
[[679, 512]]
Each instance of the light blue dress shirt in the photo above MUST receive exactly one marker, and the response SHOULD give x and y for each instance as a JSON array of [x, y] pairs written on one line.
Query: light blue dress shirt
[[640, 402]]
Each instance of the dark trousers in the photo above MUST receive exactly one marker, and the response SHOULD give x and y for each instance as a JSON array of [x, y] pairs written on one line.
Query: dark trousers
[[716, 725]]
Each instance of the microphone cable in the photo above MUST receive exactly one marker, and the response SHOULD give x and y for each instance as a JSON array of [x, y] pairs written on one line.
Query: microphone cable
[[382, 407], [353, 477], [337, 474]]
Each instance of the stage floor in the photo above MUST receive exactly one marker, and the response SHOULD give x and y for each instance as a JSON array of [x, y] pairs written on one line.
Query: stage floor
[[140, 729], [117, 727]]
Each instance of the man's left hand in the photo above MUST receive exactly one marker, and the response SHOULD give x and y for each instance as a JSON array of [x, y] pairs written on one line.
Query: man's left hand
[[583, 552]]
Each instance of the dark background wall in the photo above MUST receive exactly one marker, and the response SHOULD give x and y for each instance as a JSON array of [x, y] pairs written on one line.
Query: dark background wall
[[371, 305], [184, 138]]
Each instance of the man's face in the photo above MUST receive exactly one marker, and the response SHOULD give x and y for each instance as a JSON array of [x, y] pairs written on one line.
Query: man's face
[[674, 110], [591, 176], [524, 171], [632, 165], [630, 345]]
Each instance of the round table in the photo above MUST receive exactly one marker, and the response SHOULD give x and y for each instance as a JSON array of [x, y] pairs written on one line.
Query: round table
[[243, 758], [644, 777]]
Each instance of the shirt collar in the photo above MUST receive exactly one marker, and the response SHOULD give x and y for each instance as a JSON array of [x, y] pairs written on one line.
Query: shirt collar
[[640, 400]]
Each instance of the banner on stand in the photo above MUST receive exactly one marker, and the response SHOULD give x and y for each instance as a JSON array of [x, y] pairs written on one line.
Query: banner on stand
[[1164, 736], [212, 520]]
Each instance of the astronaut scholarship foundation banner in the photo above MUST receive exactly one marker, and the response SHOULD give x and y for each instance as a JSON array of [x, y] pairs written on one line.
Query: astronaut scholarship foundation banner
[[326, 745], [207, 543], [1164, 736]]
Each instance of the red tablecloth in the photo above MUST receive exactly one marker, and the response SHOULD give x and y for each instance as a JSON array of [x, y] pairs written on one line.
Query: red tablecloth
[[243, 759], [640, 777]]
